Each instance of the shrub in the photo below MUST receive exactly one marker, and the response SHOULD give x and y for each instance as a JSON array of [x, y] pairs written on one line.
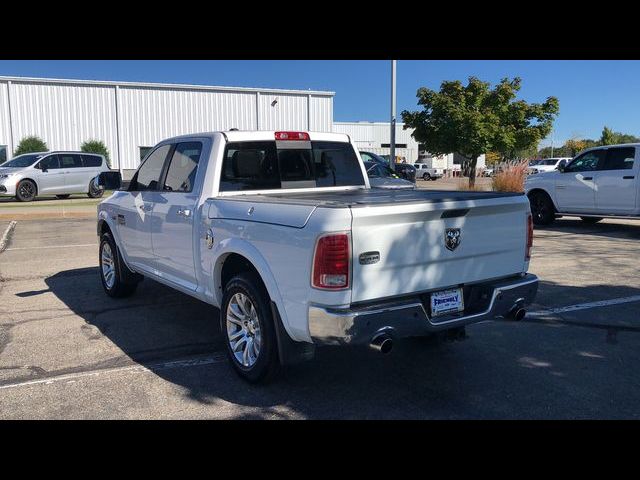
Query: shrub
[[96, 146], [31, 144], [511, 179]]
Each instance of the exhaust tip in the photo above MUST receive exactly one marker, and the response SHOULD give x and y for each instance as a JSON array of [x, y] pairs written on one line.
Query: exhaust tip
[[382, 343], [519, 314]]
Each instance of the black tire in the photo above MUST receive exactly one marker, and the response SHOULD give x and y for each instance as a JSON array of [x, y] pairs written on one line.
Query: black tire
[[542, 209], [124, 282], [266, 364], [94, 192], [426, 177], [26, 191], [63, 197], [590, 220]]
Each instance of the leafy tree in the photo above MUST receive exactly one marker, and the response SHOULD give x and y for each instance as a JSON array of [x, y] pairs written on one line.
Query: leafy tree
[[96, 146], [491, 158], [31, 144], [474, 119], [607, 137], [574, 146]]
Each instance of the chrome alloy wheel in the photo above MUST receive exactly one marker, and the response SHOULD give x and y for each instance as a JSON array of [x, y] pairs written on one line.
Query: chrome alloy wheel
[[243, 330], [108, 266]]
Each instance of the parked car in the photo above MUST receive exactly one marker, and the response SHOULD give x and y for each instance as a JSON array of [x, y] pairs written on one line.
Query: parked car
[[403, 170], [283, 232], [51, 173], [381, 176], [488, 172], [425, 171], [547, 164], [602, 182]]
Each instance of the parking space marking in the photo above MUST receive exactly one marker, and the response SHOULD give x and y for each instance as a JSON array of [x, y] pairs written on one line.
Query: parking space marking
[[53, 246], [5, 236], [584, 306], [72, 377]]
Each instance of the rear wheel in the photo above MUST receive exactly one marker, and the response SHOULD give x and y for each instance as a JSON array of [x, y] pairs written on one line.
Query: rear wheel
[[426, 177], [94, 191], [542, 210], [248, 324], [590, 220], [63, 197], [117, 280], [26, 191]]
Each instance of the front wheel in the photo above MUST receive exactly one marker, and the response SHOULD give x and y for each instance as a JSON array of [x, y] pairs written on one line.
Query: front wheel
[[117, 280], [426, 177], [542, 210], [590, 220], [248, 324], [26, 191]]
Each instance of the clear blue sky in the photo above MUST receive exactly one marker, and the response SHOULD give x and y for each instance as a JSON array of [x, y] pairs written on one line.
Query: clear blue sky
[[591, 93]]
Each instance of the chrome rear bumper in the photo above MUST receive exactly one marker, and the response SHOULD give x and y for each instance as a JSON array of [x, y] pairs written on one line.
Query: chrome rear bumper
[[409, 317]]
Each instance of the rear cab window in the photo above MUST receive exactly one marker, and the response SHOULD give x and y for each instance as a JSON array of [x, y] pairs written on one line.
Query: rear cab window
[[271, 165]]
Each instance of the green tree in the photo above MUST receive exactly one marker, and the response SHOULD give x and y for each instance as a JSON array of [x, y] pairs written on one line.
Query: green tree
[[31, 144], [475, 119], [607, 137], [96, 146]]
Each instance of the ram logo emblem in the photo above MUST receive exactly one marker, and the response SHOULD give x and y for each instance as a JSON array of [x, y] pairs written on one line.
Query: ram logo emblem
[[452, 238]]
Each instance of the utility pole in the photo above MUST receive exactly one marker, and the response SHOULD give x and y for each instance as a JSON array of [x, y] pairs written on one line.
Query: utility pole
[[551, 143], [392, 143]]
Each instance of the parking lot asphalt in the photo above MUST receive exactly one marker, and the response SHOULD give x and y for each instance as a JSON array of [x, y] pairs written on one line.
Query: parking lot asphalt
[[69, 351]]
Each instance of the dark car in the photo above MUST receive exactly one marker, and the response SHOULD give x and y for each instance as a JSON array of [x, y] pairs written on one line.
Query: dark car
[[381, 176], [403, 170]]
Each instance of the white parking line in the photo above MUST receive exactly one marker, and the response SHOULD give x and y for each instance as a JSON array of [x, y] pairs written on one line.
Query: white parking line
[[53, 246], [70, 378], [5, 236], [584, 306]]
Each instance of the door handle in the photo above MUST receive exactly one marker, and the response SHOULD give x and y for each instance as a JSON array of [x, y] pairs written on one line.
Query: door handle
[[628, 177], [560, 187], [184, 212], [145, 208], [587, 178]]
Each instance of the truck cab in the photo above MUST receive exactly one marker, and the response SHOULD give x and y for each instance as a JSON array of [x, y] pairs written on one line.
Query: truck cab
[[601, 182]]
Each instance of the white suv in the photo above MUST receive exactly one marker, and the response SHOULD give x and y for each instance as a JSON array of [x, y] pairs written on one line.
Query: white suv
[[51, 173], [548, 164]]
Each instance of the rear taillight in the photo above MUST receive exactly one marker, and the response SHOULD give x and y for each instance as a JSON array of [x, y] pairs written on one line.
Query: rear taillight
[[291, 136], [529, 237], [331, 262]]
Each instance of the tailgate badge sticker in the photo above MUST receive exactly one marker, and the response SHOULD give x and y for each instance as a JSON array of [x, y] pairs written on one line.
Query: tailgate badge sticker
[[452, 238], [367, 258]]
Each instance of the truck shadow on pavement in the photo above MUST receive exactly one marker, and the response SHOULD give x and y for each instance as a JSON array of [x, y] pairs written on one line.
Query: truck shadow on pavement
[[610, 228], [539, 368]]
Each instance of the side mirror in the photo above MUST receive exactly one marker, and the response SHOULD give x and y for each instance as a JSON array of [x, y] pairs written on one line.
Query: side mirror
[[561, 167], [109, 180]]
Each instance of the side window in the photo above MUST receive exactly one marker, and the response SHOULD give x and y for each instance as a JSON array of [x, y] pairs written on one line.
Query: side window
[[49, 163], [250, 166], [366, 157], [91, 161], [586, 162], [68, 160], [619, 158], [3, 154], [183, 167], [148, 175]]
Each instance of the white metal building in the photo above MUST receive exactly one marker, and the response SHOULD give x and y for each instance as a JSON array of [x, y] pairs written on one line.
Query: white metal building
[[131, 117], [375, 137]]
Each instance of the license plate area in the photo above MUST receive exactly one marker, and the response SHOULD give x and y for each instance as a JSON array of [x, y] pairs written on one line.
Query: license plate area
[[446, 302]]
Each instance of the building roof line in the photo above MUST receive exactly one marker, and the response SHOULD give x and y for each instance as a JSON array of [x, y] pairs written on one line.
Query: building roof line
[[181, 86]]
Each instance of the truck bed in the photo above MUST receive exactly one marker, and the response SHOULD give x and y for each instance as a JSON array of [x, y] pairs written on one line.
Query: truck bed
[[367, 197]]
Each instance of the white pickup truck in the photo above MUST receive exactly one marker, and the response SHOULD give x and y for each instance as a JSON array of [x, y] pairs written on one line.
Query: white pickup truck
[[599, 183], [283, 233]]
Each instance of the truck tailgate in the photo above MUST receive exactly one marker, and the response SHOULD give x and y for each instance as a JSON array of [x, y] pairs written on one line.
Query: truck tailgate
[[413, 256]]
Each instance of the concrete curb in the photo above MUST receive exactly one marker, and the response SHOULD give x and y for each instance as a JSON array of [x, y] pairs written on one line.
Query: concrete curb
[[4, 241]]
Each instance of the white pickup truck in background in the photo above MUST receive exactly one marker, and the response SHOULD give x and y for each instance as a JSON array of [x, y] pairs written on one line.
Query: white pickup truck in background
[[599, 183], [283, 233]]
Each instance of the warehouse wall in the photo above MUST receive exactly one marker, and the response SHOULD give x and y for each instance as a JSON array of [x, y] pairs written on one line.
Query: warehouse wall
[[64, 113]]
